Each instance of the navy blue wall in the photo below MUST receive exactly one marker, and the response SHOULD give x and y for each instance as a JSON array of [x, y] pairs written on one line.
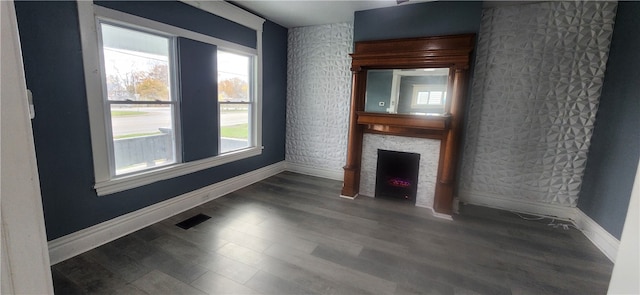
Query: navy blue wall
[[197, 108], [418, 20], [53, 65], [615, 145]]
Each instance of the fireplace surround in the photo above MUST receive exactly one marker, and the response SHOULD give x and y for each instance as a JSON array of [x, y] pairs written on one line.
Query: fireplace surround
[[452, 52], [429, 150]]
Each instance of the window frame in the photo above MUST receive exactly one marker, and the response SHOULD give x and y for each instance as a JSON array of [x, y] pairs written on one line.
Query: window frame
[[88, 14], [174, 100]]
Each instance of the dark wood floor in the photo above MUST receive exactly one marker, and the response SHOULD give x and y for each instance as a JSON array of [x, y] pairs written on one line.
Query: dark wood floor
[[291, 234]]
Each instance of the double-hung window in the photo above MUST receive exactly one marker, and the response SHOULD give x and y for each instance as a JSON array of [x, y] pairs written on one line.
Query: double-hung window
[[140, 98], [235, 100], [151, 90]]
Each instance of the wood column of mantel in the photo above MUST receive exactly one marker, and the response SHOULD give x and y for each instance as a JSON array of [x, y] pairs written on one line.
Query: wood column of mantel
[[449, 146], [451, 52], [351, 184]]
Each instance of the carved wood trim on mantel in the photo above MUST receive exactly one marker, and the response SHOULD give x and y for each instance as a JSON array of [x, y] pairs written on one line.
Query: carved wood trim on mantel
[[453, 52]]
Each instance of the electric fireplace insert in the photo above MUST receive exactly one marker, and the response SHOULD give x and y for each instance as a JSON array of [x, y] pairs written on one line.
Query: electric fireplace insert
[[397, 175]]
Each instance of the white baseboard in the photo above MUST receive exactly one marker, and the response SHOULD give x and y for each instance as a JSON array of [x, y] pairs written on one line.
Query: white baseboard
[[84, 240], [521, 206], [602, 239], [314, 171], [350, 198], [441, 215]]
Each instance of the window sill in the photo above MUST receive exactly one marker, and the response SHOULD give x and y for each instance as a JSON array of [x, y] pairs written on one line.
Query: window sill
[[119, 184]]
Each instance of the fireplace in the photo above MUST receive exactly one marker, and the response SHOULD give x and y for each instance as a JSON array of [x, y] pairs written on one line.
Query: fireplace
[[397, 175], [429, 54]]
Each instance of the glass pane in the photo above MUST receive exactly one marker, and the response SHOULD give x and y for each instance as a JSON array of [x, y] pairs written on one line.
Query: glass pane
[[234, 127], [423, 97], [233, 77], [142, 136], [435, 97], [136, 65]]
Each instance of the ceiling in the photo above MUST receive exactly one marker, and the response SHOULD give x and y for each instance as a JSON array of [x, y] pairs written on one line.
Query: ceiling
[[304, 13]]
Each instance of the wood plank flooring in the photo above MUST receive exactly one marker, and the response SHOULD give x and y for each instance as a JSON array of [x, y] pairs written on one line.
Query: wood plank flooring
[[291, 234]]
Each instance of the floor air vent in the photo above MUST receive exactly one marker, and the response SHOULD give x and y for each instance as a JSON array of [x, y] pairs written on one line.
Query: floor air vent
[[193, 221]]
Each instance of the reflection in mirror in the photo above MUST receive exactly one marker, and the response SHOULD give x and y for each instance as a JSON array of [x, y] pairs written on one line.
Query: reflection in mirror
[[407, 91]]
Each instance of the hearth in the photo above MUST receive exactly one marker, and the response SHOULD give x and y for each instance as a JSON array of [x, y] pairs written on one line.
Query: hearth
[[397, 175]]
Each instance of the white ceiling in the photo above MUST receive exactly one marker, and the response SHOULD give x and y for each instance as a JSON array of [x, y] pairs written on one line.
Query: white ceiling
[[304, 13]]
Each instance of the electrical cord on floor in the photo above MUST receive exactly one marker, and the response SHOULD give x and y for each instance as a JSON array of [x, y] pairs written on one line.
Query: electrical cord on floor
[[528, 218], [552, 223], [564, 226]]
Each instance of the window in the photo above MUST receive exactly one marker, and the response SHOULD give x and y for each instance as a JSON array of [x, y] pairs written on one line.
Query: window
[[235, 101], [136, 99], [428, 95], [429, 98], [140, 98]]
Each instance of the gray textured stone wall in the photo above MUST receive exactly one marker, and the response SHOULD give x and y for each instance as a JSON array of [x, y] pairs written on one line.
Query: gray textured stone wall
[[538, 76], [318, 95]]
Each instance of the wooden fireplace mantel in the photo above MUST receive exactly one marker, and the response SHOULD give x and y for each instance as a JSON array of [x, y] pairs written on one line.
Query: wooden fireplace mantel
[[405, 125], [453, 52]]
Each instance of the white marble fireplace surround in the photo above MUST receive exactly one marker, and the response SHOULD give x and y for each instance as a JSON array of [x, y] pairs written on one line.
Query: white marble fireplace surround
[[429, 150]]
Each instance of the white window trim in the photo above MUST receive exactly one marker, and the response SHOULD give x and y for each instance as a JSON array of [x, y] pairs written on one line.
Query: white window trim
[[119, 184], [106, 184], [229, 12]]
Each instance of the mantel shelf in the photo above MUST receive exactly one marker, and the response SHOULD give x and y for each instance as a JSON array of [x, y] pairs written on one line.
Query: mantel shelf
[[436, 123]]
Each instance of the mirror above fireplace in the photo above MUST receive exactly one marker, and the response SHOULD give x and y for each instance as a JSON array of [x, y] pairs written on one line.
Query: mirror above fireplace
[[413, 88], [407, 91]]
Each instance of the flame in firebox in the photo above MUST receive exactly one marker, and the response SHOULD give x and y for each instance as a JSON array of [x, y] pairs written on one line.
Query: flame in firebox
[[398, 182]]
